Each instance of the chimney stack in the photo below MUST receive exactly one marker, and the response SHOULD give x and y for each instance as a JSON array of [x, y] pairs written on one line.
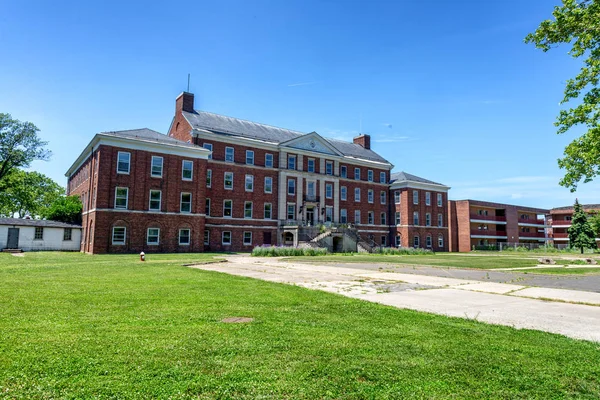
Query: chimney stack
[[363, 140], [184, 102]]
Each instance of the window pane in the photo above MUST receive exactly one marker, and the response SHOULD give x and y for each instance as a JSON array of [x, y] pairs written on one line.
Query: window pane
[[187, 170]]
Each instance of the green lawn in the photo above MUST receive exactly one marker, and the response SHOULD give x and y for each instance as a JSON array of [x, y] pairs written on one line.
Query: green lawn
[[76, 326]]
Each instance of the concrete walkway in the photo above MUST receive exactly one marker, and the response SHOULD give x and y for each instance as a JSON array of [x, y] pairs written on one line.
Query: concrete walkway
[[518, 306]]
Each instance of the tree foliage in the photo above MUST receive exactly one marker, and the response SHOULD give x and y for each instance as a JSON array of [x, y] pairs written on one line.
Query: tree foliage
[[28, 193], [581, 234], [594, 219], [19, 146], [577, 23], [65, 209]]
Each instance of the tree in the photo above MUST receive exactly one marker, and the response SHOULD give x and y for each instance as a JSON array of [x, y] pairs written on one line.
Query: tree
[[19, 146], [581, 234], [595, 222], [577, 23], [28, 193], [65, 209]]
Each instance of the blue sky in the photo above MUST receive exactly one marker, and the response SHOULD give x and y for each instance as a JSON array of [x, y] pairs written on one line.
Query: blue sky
[[447, 89]]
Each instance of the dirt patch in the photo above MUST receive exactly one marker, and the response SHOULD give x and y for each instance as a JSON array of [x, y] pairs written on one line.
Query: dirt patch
[[237, 320]]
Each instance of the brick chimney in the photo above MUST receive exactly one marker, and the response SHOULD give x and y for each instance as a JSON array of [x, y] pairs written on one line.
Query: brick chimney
[[184, 102], [363, 140]]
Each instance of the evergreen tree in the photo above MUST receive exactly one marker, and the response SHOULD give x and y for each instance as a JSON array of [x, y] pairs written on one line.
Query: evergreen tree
[[581, 233]]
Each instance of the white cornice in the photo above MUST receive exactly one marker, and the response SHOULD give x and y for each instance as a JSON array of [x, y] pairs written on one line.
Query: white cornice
[[419, 185]]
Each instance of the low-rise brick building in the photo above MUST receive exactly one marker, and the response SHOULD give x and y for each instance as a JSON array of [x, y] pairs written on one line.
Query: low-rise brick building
[[560, 222]]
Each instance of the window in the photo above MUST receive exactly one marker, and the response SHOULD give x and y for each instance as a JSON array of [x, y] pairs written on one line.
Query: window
[[118, 235], [415, 197], [397, 218], [383, 219], [208, 178], [329, 191], [343, 216], [121, 197], [382, 177], [343, 193], [397, 197], [416, 241], [383, 240], [416, 218], [291, 161], [382, 197], [206, 237], [343, 171], [291, 211], [185, 205], [439, 199], [428, 241], [155, 197], [310, 166], [328, 168], [184, 237], [268, 211], [427, 198], [247, 238], [398, 241], [123, 162], [357, 174], [39, 233], [370, 218], [187, 170], [226, 237], [370, 196], [440, 241], [440, 220], [152, 236], [67, 234], [328, 214], [207, 207], [268, 184], [568, 218], [157, 167], [208, 146], [249, 183], [427, 219], [229, 154], [248, 209], [370, 175], [269, 160], [228, 181], [357, 216], [310, 191], [291, 187], [357, 194], [227, 207], [249, 157]]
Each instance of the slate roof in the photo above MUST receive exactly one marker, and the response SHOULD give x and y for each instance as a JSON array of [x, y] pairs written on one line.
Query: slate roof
[[584, 206], [405, 176], [36, 222], [238, 127], [148, 135]]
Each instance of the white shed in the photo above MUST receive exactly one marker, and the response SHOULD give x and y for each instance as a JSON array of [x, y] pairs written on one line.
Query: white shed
[[35, 234]]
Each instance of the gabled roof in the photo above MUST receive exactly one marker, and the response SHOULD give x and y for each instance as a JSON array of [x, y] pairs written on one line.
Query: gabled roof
[[405, 176], [147, 135], [404, 179], [222, 124], [37, 222]]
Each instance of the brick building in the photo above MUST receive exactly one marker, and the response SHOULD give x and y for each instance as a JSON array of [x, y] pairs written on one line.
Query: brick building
[[476, 223], [560, 221]]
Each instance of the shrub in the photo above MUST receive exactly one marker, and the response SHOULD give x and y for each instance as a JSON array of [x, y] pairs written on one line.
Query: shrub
[[393, 251], [286, 251]]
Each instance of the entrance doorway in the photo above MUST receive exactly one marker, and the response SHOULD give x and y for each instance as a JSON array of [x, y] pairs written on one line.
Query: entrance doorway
[[310, 215], [13, 238]]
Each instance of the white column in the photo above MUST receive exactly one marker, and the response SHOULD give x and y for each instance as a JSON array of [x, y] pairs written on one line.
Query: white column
[[321, 165], [336, 168], [300, 161]]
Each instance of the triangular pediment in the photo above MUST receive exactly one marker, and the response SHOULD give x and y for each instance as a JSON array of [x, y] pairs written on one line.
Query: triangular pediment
[[311, 142]]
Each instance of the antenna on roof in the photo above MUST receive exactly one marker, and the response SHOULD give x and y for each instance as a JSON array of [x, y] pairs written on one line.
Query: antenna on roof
[[188, 89]]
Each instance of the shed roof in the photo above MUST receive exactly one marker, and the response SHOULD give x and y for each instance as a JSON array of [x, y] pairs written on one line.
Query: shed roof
[[37, 222]]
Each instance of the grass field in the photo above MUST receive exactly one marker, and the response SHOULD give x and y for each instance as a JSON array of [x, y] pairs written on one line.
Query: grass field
[[76, 326]]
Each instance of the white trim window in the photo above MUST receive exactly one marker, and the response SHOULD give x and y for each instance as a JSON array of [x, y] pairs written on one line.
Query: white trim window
[[208, 178], [357, 217], [383, 219], [207, 207], [370, 218], [39, 233], [154, 203], [357, 195], [184, 237], [123, 162], [441, 241], [291, 211], [67, 234], [249, 157], [428, 241], [328, 214], [248, 209], [440, 220], [382, 197], [249, 185], [370, 175], [328, 167], [382, 177], [439, 199], [269, 160], [427, 198], [357, 174], [343, 216], [185, 203], [119, 235], [247, 238], [268, 184], [268, 211], [153, 236], [226, 238], [398, 241], [208, 146], [415, 197], [343, 171], [370, 196], [416, 218], [383, 240], [229, 154], [291, 187], [343, 193], [310, 165], [121, 197], [427, 219], [156, 169], [228, 181], [397, 197], [291, 161], [416, 241], [328, 191], [398, 220], [207, 237], [187, 170], [227, 208]]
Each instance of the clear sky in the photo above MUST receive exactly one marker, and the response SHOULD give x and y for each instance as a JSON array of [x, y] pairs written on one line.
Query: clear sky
[[447, 89]]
